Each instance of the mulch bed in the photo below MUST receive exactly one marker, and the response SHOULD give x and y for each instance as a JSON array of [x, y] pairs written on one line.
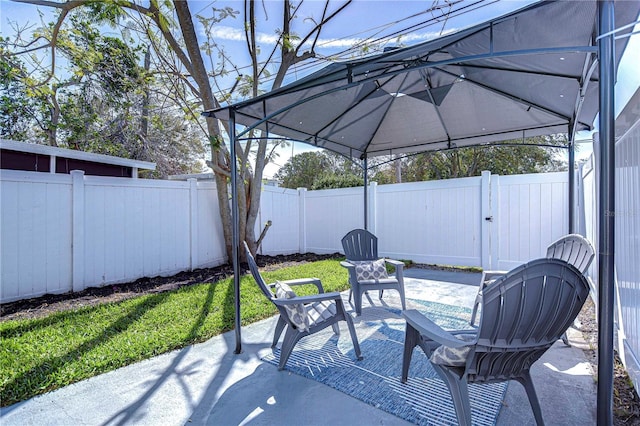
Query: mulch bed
[[626, 404], [44, 305]]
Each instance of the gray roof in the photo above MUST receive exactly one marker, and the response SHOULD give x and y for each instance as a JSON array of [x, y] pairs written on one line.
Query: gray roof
[[531, 72]]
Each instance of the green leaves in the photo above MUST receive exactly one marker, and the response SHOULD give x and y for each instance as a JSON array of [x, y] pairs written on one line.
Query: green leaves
[[216, 141], [319, 170], [516, 158], [288, 40]]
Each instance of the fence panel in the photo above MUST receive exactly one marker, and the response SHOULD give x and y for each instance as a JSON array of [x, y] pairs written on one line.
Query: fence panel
[[69, 232], [329, 215], [439, 222], [532, 213], [35, 237], [627, 248], [282, 207], [207, 229], [148, 235]]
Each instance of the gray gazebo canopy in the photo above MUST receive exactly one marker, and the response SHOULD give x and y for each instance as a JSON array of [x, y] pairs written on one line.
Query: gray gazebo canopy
[[544, 69], [531, 72]]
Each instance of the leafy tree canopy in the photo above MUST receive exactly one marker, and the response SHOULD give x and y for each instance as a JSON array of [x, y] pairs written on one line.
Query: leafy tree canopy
[[516, 158], [323, 170], [319, 170]]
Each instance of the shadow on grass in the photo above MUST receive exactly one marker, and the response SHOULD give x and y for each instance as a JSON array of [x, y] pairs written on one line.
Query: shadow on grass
[[48, 372], [38, 379], [133, 413]]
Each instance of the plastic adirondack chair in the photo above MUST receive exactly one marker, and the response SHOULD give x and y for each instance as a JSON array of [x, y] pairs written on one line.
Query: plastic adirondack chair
[[361, 250], [523, 314], [572, 248], [302, 315]]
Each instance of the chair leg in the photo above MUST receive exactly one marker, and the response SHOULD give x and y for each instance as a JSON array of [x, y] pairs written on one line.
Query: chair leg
[[401, 291], [475, 308], [291, 337], [352, 332], [576, 325], [279, 327], [459, 392], [336, 328], [411, 338], [526, 381], [357, 301]]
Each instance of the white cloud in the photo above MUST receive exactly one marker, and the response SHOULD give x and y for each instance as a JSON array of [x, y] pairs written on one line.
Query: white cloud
[[223, 32], [226, 33]]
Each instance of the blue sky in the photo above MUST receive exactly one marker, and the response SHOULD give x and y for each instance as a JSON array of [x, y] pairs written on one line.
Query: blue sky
[[361, 20]]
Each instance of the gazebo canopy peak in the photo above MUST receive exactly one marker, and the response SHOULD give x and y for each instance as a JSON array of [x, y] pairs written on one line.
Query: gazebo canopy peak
[[531, 72]]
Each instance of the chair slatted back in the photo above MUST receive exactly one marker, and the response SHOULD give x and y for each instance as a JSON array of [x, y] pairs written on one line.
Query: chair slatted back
[[523, 314], [253, 266], [573, 248], [360, 244]]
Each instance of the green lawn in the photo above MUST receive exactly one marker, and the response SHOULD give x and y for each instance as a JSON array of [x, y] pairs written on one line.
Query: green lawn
[[40, 355]]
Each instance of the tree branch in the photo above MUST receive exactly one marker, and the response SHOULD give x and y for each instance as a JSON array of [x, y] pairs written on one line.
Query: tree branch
[[318, 28]]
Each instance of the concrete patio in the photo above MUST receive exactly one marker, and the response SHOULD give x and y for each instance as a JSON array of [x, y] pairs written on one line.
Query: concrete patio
[[208, 384]]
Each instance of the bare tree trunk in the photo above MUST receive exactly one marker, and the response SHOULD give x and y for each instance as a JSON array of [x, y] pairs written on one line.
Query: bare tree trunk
[[52, 129], [219, 155], [144, 121]]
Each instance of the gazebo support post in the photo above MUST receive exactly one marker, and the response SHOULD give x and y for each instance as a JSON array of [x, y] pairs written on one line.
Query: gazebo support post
[[606, 213], [235, 221], [366, 195], [572, 181]]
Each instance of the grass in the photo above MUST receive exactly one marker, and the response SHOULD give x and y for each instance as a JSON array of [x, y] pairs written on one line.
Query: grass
[[44, 354]]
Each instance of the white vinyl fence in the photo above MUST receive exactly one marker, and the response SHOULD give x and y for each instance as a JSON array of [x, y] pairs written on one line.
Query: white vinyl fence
[[488, 221], [61, 233], [627, 249], [627, 237]]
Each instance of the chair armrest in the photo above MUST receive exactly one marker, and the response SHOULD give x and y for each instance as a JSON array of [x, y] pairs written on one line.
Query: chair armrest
[[396, 263], [307, 299], [399, 266], [431, 330], [302, 281], [488, 276], [347, 264]]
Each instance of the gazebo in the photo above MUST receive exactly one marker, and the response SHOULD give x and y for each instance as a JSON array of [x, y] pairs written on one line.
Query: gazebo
[[545, 69]]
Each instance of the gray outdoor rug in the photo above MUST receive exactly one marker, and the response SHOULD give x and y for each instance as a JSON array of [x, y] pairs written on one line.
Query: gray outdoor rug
[[423, 400]]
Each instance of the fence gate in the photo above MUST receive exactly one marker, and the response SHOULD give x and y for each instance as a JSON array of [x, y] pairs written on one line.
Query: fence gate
[[521, 217]]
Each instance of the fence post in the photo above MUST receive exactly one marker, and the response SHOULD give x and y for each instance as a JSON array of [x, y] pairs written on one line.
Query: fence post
[[302, 219], [494, 194], [373, 207], [193, 223], [77, 227], [485, 208]]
